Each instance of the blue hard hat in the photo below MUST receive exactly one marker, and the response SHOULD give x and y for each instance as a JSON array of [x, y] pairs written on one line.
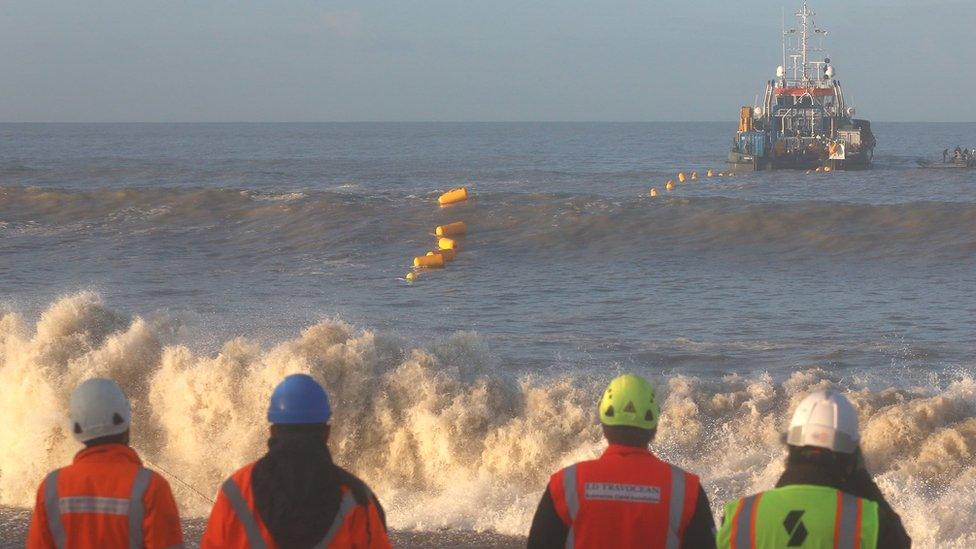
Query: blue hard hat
[[299, 399]]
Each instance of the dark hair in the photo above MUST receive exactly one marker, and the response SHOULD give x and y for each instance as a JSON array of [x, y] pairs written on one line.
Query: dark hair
[[300, 429], [121, 438], [296, 485], [626, 435], [835, 462]]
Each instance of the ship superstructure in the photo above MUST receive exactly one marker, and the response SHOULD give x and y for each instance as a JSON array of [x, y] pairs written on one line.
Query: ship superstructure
[[803, 120]]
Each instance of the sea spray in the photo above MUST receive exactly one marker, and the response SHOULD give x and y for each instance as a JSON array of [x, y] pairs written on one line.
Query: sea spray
[[443, 437]]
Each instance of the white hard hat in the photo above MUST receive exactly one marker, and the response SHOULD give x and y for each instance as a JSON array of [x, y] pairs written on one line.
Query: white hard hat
[[98, 409], [825, 419]]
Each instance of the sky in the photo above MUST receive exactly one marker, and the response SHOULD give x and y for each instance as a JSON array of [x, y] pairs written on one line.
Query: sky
[[464, 60]]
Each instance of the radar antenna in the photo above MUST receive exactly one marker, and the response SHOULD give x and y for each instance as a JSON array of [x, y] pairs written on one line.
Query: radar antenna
[[800, 53]]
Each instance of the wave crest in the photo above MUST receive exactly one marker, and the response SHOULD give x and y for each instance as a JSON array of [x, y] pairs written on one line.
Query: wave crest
[[443, 436]]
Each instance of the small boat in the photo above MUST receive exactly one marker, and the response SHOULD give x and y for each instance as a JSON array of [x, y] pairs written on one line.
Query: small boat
[[957, 164]]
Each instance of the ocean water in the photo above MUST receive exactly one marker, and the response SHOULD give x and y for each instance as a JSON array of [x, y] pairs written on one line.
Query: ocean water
[[198, 264]]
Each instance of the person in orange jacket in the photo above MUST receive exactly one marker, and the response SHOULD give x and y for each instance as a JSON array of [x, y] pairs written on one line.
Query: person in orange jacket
[[105, 498], [296, 496], [628, 497]]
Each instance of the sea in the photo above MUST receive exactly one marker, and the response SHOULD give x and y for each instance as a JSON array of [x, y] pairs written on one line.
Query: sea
[[198, 264]]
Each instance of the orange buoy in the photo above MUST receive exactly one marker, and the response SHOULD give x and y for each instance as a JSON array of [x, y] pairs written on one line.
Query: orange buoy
[[710, 173], [451, 229], [669, 185], [434, 261], [694, 176], [453, 196], [449, 255], [446, 243], [410, 277], [652, 192], [681, 177]]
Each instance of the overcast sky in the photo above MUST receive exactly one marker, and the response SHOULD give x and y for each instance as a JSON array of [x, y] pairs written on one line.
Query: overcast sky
[[498, 60]]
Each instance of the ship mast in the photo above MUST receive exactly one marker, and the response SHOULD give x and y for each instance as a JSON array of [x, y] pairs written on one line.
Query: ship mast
[[804, 16], [783, 35], [800, 50]]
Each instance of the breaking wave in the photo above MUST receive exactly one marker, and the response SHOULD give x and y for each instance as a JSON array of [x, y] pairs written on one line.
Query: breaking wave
[[527, 224], [443, 437]]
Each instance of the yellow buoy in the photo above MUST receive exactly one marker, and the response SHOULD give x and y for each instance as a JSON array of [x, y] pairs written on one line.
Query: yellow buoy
[[449, 255], [451, 229], [710, 173], [681, 177], [652, 192], [446, 244], [410, 277], [453, 196], [694, 176], [669, 185], [433, 261]]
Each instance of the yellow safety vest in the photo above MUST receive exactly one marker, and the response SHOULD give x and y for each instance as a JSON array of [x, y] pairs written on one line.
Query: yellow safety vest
[[800, 515]]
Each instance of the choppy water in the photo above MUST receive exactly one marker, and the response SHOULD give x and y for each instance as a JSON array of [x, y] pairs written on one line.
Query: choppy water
[[199, 263]]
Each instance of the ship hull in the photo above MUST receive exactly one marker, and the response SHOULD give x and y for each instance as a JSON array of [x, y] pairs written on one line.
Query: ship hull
[[741, 163]]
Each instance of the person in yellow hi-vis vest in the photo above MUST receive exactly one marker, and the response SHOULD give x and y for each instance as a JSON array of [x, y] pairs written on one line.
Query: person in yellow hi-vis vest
[[825, 498]]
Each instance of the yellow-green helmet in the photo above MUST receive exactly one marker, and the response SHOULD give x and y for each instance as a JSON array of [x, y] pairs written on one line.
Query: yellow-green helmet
[[629, 400]]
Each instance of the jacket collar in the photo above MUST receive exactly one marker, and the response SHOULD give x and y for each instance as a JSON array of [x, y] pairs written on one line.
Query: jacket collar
[[621, 450], [108, 452], [808, 473]]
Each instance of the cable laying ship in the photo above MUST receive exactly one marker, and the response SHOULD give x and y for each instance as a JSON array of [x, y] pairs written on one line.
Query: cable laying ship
[[803, 121]]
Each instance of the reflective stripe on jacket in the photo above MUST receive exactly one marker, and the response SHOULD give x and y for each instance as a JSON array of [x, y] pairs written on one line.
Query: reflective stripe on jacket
[[626, 498], [235, 523], [105, 498], [800, 515]]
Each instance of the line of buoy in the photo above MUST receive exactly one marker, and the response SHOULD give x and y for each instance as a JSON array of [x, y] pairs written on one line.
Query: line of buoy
[[447, 244], [682, 177]]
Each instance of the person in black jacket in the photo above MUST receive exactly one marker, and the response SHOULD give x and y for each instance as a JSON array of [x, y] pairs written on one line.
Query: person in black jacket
[[826, 494], [816, 466]]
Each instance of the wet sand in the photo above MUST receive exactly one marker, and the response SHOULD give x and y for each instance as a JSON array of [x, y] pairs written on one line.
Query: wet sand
[[14, 522]]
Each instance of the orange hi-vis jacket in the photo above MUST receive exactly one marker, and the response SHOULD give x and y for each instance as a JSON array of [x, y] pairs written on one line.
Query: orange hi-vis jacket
[[105, 499], [235, 523], [626, 498]]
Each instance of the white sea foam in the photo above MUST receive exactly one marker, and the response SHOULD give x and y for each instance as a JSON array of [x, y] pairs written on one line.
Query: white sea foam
[[442, 437]]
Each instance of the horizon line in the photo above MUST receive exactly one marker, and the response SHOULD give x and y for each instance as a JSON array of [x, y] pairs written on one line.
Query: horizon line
[[54, 122]]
